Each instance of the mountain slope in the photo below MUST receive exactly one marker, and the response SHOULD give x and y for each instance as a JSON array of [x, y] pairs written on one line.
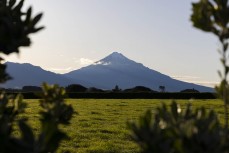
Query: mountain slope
[[27, 74], [112, 70], [116, 69]]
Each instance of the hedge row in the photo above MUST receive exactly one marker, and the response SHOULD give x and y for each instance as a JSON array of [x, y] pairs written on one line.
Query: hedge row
[[143, 95]]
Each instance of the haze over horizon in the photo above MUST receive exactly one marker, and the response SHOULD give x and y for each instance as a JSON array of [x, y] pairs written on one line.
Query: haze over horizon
[[157, 34]]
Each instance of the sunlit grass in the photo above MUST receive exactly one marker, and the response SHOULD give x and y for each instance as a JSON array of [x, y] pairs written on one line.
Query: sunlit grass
[[99, 126]]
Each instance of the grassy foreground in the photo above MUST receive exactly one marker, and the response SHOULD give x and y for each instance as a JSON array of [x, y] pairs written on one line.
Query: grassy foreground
[[99, 126]]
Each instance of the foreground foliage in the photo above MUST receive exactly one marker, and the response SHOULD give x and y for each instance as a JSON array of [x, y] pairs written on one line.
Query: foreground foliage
[[170, 131], [54, 112], [180, 131], [175, 131], [15, 28], [16, 25], [213, 16]]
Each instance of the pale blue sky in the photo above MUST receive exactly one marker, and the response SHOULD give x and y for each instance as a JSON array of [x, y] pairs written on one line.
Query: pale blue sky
[[157, 33]]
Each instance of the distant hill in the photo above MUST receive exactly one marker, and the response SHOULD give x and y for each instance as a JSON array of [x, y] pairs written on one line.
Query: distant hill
[[29, 75], [115, 69]]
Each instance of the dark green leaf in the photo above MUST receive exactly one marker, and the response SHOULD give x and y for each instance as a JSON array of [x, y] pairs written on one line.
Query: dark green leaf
[[11, 3], [36, 19], [27, 133], [28, 15]]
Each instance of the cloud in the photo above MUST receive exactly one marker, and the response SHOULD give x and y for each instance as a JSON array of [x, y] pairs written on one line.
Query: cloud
[[102, 63], [186, 77], [195, 80], [83, 61], [60, 70], [206, 83], [61, 55]]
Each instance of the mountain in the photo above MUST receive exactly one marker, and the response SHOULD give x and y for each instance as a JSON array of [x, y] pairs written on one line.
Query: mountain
[[116, 69], [27, 74]]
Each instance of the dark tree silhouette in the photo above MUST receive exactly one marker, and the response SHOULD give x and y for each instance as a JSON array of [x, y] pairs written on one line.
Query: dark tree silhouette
[[162, 88], [116, 89], [190, 91]]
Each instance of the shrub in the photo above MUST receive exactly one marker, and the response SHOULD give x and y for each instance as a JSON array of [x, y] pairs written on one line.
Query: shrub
[[76, 88], [180, 131], [138, 89], [177, 131], [54, 112], [15, 27], [189, 91]]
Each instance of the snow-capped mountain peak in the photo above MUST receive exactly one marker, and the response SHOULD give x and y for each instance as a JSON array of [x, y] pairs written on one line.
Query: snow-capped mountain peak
[[114, 58], [116, 69]]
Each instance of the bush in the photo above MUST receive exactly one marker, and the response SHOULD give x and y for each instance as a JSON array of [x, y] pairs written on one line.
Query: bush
[[180, 131], [177, 131], [54, 113], [139, 89], [190, 91], [76, 88], [93, 89], [15, 27]]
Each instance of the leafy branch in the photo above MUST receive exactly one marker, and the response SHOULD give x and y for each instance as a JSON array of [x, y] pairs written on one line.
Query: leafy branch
[[15, 28], [176, 131]]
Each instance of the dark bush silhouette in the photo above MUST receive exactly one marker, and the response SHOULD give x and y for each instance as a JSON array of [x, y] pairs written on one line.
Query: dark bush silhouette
[[76, 88], [190, 91], [31, 89], [93, 89], [139, 89], [122, 95]]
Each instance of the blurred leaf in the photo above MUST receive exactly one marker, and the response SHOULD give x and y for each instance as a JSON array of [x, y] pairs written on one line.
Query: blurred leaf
[[36, 19], [11, 3], [28, 16], [27, 133], [198, 131]]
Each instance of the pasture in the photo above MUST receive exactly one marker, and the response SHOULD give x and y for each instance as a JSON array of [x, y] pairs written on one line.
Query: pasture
[[100, 126]]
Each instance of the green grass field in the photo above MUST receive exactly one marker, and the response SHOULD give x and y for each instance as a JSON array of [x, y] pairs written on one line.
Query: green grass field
[[99, 126]]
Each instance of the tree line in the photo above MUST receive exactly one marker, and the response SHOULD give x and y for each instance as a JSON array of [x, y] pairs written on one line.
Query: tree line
[[83, 89]]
